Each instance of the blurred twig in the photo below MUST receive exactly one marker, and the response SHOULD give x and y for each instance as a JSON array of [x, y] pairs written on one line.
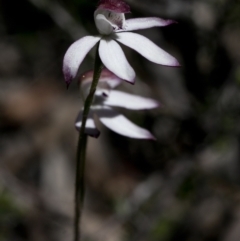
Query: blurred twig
[[61, 17]]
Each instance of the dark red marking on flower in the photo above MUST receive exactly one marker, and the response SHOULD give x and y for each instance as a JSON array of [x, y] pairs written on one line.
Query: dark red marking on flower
[[169, 21], [67, 76], [104, 94], [117, 6]]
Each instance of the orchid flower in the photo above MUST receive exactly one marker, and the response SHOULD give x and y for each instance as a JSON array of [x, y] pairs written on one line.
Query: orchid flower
[[113, 28], [105, 98]]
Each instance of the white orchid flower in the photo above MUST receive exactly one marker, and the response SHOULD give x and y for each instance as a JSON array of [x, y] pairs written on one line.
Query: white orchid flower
[[105, 98], [113, 28]]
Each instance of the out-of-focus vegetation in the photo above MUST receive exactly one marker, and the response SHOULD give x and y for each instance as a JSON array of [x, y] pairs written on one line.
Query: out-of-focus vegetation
[[183, 187]]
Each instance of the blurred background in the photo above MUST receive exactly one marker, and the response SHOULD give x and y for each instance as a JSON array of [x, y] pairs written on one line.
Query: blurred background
[[183, 187]]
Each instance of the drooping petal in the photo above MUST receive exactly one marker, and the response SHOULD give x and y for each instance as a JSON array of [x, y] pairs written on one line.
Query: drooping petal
[[117, 6], [129, 101], [146, 48], [110, 78], [106, 77], [114, 59], [107, 81], [121, 125], [143, 23], [90, 128], [75, 55]]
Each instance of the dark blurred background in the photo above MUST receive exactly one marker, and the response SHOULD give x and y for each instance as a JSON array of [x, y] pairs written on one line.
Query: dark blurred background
[[183, 187]]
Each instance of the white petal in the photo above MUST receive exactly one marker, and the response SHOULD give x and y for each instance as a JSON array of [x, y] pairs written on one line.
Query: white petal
[[143, 23], [90, 128], [129, 101], [121, 125], [110, 78], [114, 59], [75, 55], [100, 94], [106, 77], [146, 48]]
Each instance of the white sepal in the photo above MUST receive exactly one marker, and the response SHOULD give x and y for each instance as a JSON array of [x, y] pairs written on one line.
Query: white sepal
[[143, 23], [75, 55], [114, 59], [146, 48], [129, 101], [121, 125]]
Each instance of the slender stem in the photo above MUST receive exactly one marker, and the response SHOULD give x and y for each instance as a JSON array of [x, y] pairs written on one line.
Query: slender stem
[[81, 150], [79, 184], [82, 169]]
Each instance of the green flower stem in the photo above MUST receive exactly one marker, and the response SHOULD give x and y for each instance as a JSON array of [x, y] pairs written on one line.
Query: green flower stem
[[81, 150]]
